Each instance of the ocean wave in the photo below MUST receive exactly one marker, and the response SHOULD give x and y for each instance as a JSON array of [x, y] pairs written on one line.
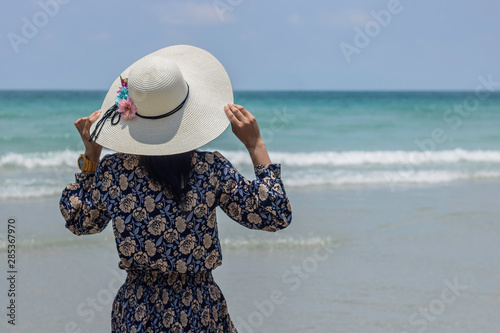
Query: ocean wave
[[28, 176], [362, 158], [29, 188], [296, 159], [27, 193], [241, 243], [279, 242], [49, 159], [336, 179], [385, 178]]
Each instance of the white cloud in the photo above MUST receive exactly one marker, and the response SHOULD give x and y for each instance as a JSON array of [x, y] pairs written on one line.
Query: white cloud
[[347, 18], [189, 13]]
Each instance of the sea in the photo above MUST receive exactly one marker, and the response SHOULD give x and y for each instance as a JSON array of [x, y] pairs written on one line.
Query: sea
[[395, 200]]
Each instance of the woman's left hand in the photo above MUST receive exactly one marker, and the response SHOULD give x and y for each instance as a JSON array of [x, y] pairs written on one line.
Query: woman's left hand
[[92, 149]]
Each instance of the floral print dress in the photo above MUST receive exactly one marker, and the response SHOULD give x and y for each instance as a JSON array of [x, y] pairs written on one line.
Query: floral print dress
[[170, 248]]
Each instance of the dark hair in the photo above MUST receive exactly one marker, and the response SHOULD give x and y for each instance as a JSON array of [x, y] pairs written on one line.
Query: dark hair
[[170, 171]]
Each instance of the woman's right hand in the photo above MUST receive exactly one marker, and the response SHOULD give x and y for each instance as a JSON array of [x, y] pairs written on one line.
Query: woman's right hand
[[245, 127], [92, 149]]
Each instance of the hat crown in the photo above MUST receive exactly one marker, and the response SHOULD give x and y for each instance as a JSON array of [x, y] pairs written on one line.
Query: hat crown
[[156, 85]]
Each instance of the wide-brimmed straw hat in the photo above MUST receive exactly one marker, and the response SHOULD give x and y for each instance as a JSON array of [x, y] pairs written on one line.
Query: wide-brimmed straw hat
[[168, 102]]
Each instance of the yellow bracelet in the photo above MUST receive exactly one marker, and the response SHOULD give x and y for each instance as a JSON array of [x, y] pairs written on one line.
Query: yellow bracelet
[[86, 165]]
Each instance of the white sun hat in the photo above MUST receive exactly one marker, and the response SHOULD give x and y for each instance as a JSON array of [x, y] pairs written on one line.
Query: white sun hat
[[175, 104]]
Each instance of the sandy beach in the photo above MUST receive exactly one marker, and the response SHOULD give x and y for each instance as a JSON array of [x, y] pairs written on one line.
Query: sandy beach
[[356, 260]]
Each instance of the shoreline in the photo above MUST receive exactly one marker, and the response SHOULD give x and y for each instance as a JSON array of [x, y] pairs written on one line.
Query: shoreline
[[382, 187]]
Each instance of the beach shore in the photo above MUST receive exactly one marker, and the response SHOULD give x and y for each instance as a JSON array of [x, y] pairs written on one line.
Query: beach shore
[[353, 260]]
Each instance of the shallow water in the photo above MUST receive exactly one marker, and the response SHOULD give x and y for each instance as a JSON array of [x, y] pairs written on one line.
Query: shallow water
[[322, 139]]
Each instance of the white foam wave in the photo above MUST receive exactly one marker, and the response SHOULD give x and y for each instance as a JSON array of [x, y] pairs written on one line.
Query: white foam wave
[[278, 242], [26, 176], [41, 160], [362, 158], [299, 159], [36, 160], [23, 193], [232, 243], [389, 178], [337, 179], [29, 188]]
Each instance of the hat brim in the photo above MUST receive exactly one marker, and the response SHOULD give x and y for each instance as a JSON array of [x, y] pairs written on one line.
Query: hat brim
[[201, 120]]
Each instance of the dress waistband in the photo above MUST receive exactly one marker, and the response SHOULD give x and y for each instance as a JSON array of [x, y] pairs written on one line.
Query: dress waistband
[[153, 277]]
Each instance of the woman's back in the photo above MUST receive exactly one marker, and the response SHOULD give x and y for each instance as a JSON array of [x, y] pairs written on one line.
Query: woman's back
[[154, 230]]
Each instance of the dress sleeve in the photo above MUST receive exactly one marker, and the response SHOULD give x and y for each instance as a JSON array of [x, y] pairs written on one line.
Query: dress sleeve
[[82, 205], [259, 204]]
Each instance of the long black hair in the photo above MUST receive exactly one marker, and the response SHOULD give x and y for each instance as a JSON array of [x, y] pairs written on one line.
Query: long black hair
[[170, 171]]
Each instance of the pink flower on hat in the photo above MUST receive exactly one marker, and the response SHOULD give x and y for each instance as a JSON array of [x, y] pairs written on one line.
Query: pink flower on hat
[[124, 81], [127, 108]]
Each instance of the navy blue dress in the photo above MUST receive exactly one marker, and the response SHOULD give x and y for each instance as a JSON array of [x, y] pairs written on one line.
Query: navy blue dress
[[170, 248]]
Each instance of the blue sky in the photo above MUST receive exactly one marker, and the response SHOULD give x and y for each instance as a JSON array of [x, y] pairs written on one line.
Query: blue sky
[[279, 45]]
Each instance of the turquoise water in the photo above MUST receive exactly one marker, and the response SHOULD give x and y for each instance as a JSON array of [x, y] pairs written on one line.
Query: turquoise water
[[326, 139], [291, 121]]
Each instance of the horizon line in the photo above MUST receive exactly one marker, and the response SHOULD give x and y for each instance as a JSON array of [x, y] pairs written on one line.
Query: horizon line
[[263, 90]]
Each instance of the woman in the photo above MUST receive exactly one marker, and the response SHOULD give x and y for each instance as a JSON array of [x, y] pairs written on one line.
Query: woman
[[161, 193]]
